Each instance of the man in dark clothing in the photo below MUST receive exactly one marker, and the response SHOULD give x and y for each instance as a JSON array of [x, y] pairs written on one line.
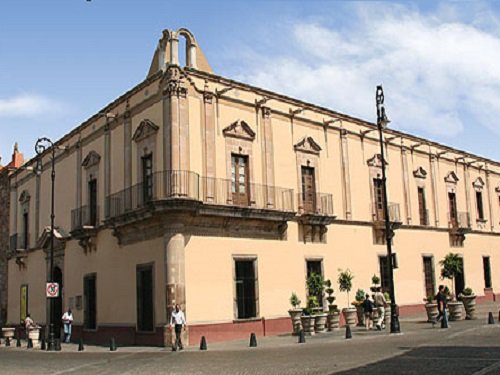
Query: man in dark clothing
[[441, 302]]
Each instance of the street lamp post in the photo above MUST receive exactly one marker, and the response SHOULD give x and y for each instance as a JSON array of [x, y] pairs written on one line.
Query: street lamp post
[[41, 145], [382, 122]]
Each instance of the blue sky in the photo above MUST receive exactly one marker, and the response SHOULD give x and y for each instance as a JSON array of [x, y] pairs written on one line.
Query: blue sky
[[61, 61]]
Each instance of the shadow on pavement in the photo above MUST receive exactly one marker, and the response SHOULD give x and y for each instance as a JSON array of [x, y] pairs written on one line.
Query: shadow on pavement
[[461, 360]]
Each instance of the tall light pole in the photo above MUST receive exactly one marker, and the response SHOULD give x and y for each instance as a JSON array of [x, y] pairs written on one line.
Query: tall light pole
[[41, 145], [382, 122]]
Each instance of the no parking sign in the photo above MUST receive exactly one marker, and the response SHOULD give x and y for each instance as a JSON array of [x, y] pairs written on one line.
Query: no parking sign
[[52, 290]]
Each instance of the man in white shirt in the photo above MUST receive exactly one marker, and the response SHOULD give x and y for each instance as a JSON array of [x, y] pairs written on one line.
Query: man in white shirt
[[380, 304], [67, 319], [177, 321]]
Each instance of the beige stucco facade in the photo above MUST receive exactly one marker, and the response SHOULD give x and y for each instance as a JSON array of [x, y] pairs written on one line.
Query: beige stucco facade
[[209, 136]]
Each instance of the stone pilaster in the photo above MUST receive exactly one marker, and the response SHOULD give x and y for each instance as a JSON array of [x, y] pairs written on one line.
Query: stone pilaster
[[268, 155], [468, 202], [435, 198], [37, 207], [107, 164], [488, 192], [78, 169], [346, 180], [406, 183], [209, 153], [127, 149]]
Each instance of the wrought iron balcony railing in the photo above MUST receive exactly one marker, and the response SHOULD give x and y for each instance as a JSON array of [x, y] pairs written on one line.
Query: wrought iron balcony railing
[[378, 212], [85, 216], [459, 220], [424, 218], [317, 203]]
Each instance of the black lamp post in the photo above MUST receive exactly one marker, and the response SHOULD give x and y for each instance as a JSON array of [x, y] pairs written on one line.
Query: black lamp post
[[382, 122], [41, 145]]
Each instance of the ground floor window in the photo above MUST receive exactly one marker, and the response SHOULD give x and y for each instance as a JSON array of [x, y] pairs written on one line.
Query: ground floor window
[[89, 301], [246, 288], [487, 272], [430, 284], [145, 304]]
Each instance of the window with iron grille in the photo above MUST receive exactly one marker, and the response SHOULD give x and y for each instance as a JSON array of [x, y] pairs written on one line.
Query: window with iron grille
[[430, 283]]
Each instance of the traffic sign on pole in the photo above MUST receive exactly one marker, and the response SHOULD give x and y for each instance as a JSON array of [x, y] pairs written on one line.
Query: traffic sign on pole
[[52, 290]]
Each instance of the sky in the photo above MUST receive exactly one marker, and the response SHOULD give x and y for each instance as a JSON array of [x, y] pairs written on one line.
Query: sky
[[61, 61]]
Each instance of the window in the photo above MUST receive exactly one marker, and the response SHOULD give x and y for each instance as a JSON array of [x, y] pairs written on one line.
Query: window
[[147, 177], [89, 304], [452, 209], [246, 296], [422, 209], [430, 285], [308, 190], [25, 235], [315, 266], [239, 179], [378, 191], [145, 304], [479, 204], [92, 202], [487, 272], [385, 281]]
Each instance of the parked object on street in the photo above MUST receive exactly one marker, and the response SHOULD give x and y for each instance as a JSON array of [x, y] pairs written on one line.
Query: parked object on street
[[431, 308], [345, 285], [295, 313], [468, 298]]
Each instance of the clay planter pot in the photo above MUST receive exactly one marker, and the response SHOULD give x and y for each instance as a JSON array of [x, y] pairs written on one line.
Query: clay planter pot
[[470, 306], [34, 335], [308, 324], [295, 315], [432, 311], [333, 320], [320, 323], [349, 315], [8, 332], [455, 310], [360, 312]]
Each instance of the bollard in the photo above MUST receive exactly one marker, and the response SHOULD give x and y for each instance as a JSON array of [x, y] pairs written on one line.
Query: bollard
[[302, 337], [444, 320], [7, 341], [490, 318], [57, 343], [203, 343], [43, 347], [112, 345], [253, 340], [348, 334], [80, 345], [18, 342], [30, 344]]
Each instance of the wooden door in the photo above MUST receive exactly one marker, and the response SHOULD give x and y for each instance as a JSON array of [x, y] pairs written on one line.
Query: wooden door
[[452, 206], [422, 209], [378, 194], [308, 190], [239, 180]]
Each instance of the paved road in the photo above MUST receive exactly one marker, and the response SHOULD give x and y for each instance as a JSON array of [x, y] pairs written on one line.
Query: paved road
[[467, 347]]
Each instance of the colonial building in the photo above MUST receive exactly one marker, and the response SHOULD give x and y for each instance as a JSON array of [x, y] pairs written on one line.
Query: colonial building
[[195, 189], [16, 161]]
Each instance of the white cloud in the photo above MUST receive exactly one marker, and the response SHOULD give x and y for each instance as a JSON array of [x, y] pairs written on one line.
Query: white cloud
[[29, 106], [439, 72]]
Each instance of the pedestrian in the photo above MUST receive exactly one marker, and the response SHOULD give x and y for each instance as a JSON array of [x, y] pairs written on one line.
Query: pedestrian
[[441, 299], [178, 322], [368, 310], [67, 319], [380, 304], [29, 324]]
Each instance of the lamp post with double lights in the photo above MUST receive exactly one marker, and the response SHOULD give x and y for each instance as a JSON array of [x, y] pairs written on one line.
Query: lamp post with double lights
[[382, 122], [41, 145]]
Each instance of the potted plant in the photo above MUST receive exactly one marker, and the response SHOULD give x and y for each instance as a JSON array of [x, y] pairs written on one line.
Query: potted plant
[[316, 287], [358, 304], [431, 308], [375, 282], [345, 285], [451, 266], [333, 312], [295, 313], [307, 319], [468, 298]]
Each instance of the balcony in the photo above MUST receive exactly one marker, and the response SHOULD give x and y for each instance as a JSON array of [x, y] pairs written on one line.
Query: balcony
[[84, 217], [315, 208], [378, 213], [424, 218], [459, 222], [207, 204]]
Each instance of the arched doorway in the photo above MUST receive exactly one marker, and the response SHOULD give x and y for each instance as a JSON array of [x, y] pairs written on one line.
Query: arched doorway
[[57, 303]]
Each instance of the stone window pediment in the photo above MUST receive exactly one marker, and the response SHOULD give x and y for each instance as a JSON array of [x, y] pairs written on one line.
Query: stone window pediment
[[92, 158], [376, 161], [478, 184], [146, 129], [308, 145], [451, 178], [239, 129], [25, 197], [420, 173]]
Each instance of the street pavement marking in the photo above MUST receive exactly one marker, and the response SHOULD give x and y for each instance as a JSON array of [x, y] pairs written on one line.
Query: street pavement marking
[[487, 370]]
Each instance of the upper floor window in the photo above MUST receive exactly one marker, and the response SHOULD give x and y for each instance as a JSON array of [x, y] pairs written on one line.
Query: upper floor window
[[147, 177], [23, 236], [422, 209], [239, 179], [308, 189], [93, 211], [478, 186]]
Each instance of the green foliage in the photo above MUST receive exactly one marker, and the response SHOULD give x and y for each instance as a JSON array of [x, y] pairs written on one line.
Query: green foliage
[[387, 296], [315, 285], [451, 266], [294, 300], [329, 290], [312, 304], [345, 281], [429, 298], [360, 295], [375, 280], [468, 292]]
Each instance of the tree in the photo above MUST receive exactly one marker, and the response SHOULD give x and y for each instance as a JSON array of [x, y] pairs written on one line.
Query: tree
[[451, 267], [345, 282]]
